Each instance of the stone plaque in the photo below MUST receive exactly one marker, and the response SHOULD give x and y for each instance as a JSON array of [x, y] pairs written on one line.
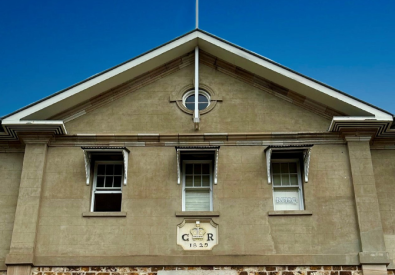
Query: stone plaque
[[197, 234]]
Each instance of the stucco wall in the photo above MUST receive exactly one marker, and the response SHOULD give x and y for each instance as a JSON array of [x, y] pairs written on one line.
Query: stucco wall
[[244, 109], [10, 172], [384, 171], [152, 197]]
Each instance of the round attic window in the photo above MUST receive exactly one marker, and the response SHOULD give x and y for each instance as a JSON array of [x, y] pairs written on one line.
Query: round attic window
[[188, 100]]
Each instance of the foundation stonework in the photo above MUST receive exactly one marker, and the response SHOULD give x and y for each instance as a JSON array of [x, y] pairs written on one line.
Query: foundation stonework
[[241, 270]]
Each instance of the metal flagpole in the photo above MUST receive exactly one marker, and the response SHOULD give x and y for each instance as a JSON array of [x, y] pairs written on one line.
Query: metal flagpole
[[197, 14]]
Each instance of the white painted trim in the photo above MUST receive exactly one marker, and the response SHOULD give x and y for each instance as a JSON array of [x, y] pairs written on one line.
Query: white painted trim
[[306, 161], [87, 158], [196, 115], [216, 151], [196, 35], [125, 155], [96, 80], [32, 123], [268, 165], [306, 166]]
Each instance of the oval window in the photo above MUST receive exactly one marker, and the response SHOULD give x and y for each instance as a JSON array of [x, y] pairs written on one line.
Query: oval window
[[189, 100]]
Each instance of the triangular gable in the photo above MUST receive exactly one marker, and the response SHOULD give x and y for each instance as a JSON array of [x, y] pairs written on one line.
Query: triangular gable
[[260, 66]]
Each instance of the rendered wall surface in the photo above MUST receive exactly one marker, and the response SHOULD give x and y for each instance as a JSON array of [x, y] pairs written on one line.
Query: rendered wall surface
[[384, 171], [10, 171], [152, 196], [244, 109]]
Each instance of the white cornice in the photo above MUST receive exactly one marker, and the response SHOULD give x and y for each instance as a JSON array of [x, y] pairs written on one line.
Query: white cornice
[[216, 46]]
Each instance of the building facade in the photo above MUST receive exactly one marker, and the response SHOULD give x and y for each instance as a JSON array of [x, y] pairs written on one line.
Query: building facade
[[277, 174]]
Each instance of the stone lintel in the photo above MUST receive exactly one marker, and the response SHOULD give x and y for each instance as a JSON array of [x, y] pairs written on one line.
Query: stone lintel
[[194, 260], [19, 259], [358, 137], [374, 258], [34, 138], [374, 269]]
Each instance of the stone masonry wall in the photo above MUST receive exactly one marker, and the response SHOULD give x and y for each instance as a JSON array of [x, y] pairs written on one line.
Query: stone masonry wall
[[241, 270]]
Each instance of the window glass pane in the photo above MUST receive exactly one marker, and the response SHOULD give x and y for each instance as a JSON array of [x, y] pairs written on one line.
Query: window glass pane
[[118, 169], [107, 202], [294, 179], [108, 181], [190, 99], [101, 169], [206, 168], [277, 180], [286, 199], [284, 168], [205, 180], [197, 181], [190, 106], [188, 181], [202, 99], [197, 169], [276, 168], [202, 106], [293, 167], [109, 169], [285, 179], [117, 181], [189, 169], [197, 200], [100, 181]]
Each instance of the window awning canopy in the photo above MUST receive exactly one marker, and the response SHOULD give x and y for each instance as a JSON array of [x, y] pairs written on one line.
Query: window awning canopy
[[108, 149], [181, 149], [305, 149]]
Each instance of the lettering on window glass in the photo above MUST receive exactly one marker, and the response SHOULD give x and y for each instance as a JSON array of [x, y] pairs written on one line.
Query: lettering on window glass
[[288, 200]]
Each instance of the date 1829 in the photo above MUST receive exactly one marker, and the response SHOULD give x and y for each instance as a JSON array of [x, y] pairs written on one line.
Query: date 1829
[[198, 245]]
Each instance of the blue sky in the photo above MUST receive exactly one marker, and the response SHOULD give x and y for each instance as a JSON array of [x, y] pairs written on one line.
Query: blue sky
[[49, 45]]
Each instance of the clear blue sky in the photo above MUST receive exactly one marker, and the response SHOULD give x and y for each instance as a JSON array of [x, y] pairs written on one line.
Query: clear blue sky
[[49, 45]]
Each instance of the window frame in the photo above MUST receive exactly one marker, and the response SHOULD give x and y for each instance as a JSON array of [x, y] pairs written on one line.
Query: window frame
[[94, 187], [192, 92], [300, 183], [184, 187]]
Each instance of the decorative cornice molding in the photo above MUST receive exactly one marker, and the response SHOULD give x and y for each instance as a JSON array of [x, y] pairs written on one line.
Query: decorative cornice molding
[[268, 86], [126, 88], [358, 138]]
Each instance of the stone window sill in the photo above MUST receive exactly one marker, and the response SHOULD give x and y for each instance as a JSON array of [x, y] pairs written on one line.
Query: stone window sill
[[290, 213], [197, 214], [104, 214]]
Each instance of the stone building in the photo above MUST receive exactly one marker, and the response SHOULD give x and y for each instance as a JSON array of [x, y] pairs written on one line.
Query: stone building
[[277, 174]]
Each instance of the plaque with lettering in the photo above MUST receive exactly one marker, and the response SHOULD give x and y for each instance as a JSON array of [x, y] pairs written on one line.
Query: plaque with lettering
[[197, 234]]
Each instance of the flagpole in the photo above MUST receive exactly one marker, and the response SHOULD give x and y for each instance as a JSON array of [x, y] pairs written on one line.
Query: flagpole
[[197, 14]]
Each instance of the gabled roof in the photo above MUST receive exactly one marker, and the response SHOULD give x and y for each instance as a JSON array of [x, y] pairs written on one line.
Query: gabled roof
[[39, 112]]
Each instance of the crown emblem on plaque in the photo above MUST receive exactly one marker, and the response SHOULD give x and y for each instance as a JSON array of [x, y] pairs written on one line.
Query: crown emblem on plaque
[[197, 232]]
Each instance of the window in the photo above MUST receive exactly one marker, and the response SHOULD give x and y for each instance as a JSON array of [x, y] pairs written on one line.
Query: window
[[197, 185], [109, 168], [189, 100], [286, 167], [287, 185], [107, 186], [197, 173]]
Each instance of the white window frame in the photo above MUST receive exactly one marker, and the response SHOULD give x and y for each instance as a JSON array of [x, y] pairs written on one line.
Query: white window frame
[[192, 92], [300, 184], [94, 188], [184, 188]]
